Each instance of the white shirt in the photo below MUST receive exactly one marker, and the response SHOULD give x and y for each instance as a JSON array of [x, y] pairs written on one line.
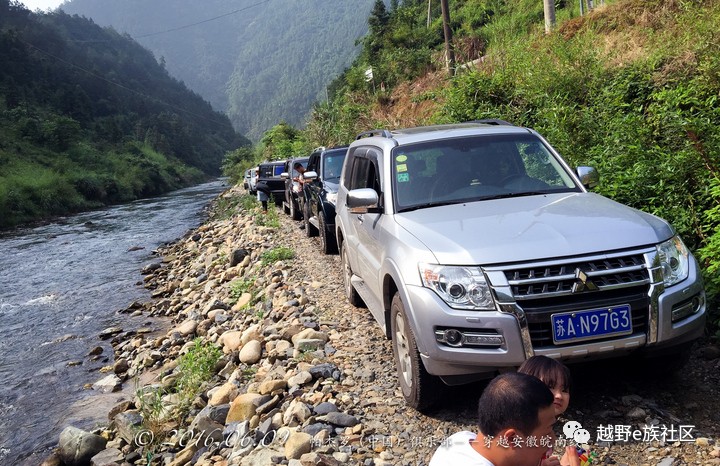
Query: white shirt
[[457, 451]]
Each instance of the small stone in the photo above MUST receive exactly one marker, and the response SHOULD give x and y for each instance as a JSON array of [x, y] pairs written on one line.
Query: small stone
[[636, 413], [300, 378], [108, 384], [251, 352], [297, 445], [270, 386], [702, 441]]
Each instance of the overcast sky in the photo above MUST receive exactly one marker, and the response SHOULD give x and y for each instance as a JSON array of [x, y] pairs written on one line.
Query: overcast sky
[[42, 4]]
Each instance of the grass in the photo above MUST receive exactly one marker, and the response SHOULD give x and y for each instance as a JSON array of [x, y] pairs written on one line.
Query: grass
[[277, 254], [240, 286], [194, 369]]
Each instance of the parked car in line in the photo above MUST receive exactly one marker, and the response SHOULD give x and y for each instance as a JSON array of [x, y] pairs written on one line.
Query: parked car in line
[[293, 189], [319, 195], [270, 181], [250, 179], [475, 246]]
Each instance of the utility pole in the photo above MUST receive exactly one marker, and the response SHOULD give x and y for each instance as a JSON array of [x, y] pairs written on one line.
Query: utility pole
[[549, 6], [428, 21], [450, 54]]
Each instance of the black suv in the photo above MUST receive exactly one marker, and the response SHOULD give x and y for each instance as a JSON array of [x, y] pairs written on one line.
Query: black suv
[[320, 193], [270, 181], [293, 189]]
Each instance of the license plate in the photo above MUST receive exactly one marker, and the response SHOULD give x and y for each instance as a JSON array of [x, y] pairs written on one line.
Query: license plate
[[591, 324]]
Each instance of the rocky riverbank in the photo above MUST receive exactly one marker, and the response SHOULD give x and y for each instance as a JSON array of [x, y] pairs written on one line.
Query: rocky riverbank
[[300, 377]]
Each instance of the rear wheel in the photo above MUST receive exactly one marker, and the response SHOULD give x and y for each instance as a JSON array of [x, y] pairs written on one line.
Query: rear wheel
[[310, 230], [419, 388], [350, 291], [294, 210], [327, 239], [286, 204]]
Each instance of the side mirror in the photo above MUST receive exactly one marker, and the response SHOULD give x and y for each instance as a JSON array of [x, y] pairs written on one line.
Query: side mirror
[[589, 177], [310, 175], [284, 175], [361, 201]]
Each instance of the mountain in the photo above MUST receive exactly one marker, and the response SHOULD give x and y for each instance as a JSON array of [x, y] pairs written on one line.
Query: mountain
[[88, 117], [260, 61]]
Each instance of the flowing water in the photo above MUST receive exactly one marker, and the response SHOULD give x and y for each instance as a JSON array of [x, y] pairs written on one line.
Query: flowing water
[[61, 284]]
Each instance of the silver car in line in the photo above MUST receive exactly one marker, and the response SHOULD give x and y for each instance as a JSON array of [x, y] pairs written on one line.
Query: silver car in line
[[476, 246]]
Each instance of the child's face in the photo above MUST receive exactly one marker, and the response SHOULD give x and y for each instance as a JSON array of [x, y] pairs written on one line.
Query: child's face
[[561, 398]]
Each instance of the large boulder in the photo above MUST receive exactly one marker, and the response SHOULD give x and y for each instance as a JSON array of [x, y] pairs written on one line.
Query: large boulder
[[77, 447]]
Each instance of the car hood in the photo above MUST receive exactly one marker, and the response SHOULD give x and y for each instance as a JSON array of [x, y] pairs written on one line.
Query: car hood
[[531, 228]]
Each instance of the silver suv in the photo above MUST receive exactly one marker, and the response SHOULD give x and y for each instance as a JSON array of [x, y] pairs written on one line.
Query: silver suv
[[475, 246]]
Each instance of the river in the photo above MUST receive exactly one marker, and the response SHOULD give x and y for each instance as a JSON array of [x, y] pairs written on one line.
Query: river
[[61, 284]]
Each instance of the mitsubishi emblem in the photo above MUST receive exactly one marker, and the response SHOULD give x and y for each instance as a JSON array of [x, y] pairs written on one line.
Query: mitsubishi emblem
[[583, 282]]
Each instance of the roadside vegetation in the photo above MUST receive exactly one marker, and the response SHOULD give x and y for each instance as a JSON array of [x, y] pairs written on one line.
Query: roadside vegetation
[[632, 88], [90, 118]]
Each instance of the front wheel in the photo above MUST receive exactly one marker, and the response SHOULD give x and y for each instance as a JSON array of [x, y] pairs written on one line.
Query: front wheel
[[419, 388], [350, 292], [327, 239]]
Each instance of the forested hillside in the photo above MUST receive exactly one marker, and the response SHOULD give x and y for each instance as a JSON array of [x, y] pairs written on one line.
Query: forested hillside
[[88, 117], [261, 61], [631, 87]]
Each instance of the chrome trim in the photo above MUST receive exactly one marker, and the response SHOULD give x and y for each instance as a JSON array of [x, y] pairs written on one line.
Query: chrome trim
[[510, 304], [657, 286], [519, 314]]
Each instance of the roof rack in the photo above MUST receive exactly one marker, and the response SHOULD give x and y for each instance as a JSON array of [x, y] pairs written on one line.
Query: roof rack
[[318, 148], [383, 133], [492, 121]]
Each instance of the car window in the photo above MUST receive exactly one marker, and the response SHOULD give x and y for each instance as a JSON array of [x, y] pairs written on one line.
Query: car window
[[475, 168], [332, 164], [295, 173]]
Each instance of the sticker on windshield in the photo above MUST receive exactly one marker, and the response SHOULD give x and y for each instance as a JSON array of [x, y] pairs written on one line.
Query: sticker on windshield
[[401, 167], [401, 158], [403, 177]]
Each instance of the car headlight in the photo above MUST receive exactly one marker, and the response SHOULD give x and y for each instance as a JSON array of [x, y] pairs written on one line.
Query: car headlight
[[459, 287], [331, 198], [674, 260]]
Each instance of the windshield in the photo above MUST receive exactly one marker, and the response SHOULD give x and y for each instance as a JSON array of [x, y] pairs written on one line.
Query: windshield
[[475, 168], [332, 165]]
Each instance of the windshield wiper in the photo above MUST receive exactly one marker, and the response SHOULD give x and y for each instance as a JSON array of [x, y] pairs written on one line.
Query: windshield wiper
[[430, 204]]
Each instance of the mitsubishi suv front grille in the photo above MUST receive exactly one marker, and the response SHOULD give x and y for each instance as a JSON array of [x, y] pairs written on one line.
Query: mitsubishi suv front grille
[[543, 289]]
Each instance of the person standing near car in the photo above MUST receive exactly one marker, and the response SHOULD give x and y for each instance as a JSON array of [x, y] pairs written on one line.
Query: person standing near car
[[263, 194]]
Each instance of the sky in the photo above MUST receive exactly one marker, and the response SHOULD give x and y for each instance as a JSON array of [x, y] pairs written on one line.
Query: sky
[[42, 4]]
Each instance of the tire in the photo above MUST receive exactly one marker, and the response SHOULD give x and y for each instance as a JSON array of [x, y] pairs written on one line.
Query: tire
[[294, 210], [310, 230], [419, 388], [350, 292], [327, 239], [286, 205]]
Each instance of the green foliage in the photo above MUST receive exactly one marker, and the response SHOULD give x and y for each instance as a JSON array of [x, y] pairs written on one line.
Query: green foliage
[[269, 219], [194, 368], [239, 287], [88, 118], [646, 117], [279, 253], [225, 206], [236, 162]]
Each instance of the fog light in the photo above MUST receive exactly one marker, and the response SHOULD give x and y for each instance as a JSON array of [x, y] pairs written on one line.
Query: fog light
[[453, 337], [687, 308], [468, 338]]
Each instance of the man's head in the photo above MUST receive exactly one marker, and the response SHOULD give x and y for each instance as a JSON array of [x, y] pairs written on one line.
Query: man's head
[[515, 416], [298, 167]]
